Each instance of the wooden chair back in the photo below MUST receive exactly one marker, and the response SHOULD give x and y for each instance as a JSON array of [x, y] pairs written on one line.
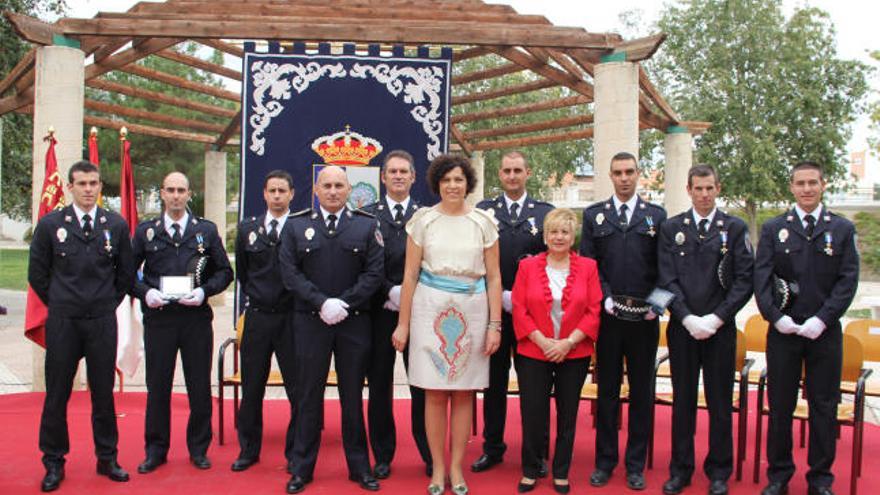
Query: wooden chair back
[[756, 333], [868, 333]]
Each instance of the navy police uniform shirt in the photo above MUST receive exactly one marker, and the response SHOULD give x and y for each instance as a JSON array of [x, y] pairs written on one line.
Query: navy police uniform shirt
[[257, 267], [316, 264], [520, 238], [79, 276], [394, 236], [626, 255], [825, 266], [689, 265], [161, 256]]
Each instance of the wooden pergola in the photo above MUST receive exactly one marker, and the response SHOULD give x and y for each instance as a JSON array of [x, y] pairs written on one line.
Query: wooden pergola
[[556, 56]]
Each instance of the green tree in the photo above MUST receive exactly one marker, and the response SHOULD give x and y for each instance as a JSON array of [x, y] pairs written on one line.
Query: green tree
[[17, 134], [774, 89], [874, 141]]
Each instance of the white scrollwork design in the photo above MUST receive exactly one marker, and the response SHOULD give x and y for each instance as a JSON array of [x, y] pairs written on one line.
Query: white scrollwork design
[[272, 78], [422, 90]]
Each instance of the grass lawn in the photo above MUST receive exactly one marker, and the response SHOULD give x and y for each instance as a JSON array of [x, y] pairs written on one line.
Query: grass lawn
[[13, 269]]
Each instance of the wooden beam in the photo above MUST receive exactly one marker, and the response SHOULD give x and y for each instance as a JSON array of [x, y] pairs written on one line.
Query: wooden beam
[[109, 49], [223, 47], [199, 64], [507, 91], [655, 95], [180, 82], [147, 130], [480, 75], [134, 113], [530, 62], [586, 59], [532, 127], [460, 139], [566, 63], [355, 29], [449, 5], [133, 54], [26, 64], [468, 53], [534, 140], [233, 127], [17, 101], [696, 127], [156, 96], [640, 49], [520, 109], [32, 29], [654, 121]]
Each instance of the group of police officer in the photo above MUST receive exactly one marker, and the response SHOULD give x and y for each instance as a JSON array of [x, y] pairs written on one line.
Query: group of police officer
[[324, 283]]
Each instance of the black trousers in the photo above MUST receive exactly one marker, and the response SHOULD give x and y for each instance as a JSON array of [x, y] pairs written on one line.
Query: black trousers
[[495, 397], [537, 379], [716, 356], [67, 341], [264, 333], [821, 359], [635, 342], [380, 379], [349, 344], [165, 333]]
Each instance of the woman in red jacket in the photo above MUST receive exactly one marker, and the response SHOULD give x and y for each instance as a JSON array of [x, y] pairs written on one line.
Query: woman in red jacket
[[556, 299]]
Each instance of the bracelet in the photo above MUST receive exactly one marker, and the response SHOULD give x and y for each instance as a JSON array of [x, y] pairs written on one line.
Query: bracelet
[[494, 325]]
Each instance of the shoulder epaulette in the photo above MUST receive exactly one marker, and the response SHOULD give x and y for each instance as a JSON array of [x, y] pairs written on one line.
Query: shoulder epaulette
[[299, 213], [359, 211]]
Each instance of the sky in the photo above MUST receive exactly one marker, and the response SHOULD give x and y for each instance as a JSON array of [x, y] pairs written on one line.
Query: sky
[[855, 21]]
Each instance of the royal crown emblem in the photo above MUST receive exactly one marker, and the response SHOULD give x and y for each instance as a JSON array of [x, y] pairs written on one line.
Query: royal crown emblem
[[346, 148]]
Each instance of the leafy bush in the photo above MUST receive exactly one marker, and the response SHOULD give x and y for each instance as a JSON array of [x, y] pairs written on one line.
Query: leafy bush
[[868, 229]]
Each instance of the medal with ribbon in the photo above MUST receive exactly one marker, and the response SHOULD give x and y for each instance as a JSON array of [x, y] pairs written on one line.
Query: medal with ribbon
[[723, 242], [650, 221], [107, 246], [201, 240], [828, 250]]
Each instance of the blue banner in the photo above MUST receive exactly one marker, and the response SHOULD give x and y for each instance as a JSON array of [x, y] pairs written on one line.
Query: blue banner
[[302, 111]]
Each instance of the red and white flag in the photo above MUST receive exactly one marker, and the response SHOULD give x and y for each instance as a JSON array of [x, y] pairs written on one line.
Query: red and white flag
[[130, 342]]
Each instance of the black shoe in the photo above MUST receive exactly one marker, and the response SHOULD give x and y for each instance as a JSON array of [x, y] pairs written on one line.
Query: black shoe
[[150, 464], [635, 481], [560, 488], [243, 463], [542, 469], [526, 487], [297, 483], [52, 480], [600, 477], [200, 461], [429, 470], [819, 490], [675, 485], [775, 488], [112, 470], [290, 468], [382, 470], [484, 462], [718, 487], [366, 481]]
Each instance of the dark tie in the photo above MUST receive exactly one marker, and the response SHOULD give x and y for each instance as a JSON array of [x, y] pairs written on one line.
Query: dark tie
[[331, 223], [622, 214], [87, 225], [514, 211], [811, 225], [704, 227], [176, 236], [273, 232], [398, 213]]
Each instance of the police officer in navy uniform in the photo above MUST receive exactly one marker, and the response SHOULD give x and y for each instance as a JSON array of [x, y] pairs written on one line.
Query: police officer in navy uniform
[[80, 267], [268, 308], [621, 234], [520, 229], [706, 261], [178, 243], [815, 249], [392, 211], [332, 261]]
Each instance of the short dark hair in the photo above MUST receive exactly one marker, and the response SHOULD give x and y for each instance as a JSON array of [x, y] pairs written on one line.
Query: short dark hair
[[278, 174], [400, 154], [701, 170], [624, 155], [441, 166], [516, 154], [81, 166], [806, 165]]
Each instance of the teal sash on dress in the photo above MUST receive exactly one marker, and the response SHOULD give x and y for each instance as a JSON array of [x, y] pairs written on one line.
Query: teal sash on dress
[[447, 284]]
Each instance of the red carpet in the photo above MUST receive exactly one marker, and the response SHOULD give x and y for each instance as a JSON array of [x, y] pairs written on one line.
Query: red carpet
[[21, 470]]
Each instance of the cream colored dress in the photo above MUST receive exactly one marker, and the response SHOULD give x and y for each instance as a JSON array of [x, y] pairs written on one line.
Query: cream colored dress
[[447, 329]]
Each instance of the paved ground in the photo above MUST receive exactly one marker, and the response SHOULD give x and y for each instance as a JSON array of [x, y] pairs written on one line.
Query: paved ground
[[17, 353]]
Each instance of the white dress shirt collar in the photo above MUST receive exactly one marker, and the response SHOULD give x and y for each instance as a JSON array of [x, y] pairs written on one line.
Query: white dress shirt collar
[[391, 203], [80, 213], [182, 222], [630, 205], [338, 214], [267, 223], [802, 214], [508, 202], [708, 217]]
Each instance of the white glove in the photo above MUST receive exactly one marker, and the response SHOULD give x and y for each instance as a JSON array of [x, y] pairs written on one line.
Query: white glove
[[155, 299], [650, 315], [712, 321], [394, 297], [390, 306], [786, 325], [812, 328], [697, 327], [333, 311], [194, 298], [609, 306], [507, 301]]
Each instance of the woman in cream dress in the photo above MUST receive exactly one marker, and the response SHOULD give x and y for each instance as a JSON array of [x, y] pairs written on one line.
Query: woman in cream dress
[[450, 310]]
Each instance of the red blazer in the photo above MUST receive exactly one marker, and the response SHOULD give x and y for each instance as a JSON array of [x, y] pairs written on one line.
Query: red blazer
[[581, 300]]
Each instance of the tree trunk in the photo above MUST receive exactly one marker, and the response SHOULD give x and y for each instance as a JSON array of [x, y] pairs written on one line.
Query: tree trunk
[[752, 218]]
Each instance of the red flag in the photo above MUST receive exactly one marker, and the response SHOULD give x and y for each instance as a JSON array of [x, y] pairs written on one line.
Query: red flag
[[94, 158], [128, 208], [52, 198], [129, 345]]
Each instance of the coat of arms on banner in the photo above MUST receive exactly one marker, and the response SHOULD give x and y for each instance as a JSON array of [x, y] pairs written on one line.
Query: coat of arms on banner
[[353, 152]]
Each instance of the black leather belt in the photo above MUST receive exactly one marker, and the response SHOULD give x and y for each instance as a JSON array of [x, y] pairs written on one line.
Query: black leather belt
[[630, 308]]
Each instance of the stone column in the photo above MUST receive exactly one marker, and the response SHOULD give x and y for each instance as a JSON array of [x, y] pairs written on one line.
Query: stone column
[[479, 164], [616, 114], [678, 147], [215, 199], [58, 103]]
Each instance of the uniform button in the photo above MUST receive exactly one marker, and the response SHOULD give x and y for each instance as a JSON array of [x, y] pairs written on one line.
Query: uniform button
[[786, 251], [355, 249], [356, 312], [308, 249], [682, 253]]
